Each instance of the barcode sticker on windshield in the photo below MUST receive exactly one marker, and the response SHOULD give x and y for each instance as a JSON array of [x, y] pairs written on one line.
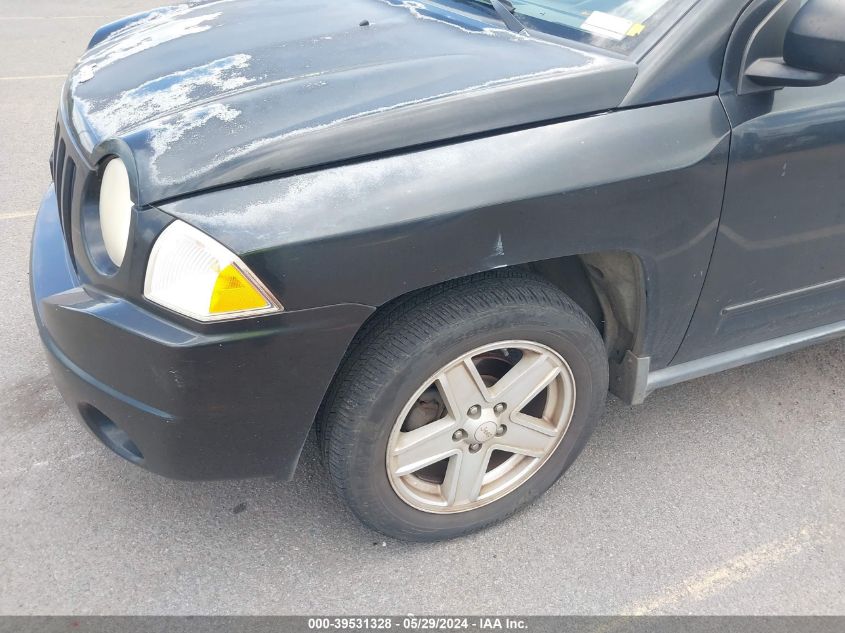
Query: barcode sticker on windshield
[[607, 25]]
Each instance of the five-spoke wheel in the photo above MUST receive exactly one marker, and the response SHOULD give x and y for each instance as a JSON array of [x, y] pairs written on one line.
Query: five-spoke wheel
[[458, 405], [481, 426]]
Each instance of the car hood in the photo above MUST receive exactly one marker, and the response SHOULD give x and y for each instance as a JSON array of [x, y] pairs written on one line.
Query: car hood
[[202, 95]]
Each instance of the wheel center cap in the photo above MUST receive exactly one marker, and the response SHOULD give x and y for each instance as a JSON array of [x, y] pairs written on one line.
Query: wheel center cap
[[485, 431]]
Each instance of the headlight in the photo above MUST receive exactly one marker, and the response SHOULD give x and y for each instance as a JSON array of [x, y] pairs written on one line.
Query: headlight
[[194, 275], [115, 210]]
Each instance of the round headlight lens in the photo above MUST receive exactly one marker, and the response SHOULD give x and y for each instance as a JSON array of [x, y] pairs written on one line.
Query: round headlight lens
[[115, 210]]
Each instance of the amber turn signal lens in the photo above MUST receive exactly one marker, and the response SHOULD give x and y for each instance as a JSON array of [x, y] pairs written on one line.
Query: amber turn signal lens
[[233, 293]]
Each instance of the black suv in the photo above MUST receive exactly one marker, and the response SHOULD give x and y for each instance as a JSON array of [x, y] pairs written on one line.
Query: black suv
[[435, 229]]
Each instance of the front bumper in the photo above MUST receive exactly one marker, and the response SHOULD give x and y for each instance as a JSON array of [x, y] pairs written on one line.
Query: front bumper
[[180, 403]]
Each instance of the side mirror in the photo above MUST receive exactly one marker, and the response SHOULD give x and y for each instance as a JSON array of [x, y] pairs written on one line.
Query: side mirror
[[815, 40], [813, 49]]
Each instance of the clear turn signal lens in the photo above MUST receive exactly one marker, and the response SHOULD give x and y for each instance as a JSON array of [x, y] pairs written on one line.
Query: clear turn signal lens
[[192, 274]]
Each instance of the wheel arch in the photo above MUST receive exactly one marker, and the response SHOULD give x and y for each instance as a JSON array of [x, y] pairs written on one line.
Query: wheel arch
[[610, 286]]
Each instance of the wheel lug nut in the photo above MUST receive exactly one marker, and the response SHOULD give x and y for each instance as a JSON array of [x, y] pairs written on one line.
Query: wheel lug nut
[[474, 448], [474, 411], [500, 407], [501, 430], [459, 435]]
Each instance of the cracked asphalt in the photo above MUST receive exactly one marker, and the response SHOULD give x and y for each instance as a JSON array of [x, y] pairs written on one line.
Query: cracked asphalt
[[725, 495]]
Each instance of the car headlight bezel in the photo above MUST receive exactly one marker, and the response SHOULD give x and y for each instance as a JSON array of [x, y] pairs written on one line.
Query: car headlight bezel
[[193, 275]]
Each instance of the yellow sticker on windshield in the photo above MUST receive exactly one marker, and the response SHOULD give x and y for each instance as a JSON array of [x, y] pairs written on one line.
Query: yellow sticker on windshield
[[635, 30]]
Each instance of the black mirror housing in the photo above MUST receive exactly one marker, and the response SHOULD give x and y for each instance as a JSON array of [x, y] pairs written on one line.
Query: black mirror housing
[[815, 40]]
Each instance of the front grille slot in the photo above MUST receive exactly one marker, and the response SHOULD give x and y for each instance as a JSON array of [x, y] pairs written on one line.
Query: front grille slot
[[55, 153], [58, 164], [68, 181], [64, 182]]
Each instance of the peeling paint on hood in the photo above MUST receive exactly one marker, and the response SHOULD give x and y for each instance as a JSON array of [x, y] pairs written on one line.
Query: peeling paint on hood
[[152, 29], [212, 93]]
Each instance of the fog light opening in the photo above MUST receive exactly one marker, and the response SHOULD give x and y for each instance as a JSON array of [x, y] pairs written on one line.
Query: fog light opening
[[110, 434]]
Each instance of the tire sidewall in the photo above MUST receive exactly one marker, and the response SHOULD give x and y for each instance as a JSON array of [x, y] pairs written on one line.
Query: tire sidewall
[[369, 491]]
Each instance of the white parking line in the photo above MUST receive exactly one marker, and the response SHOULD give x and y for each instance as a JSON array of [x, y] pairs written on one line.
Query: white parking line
[[14, 216], [737, 569]]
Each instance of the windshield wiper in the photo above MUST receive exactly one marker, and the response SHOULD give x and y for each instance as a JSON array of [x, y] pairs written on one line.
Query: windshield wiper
[[506, 11]]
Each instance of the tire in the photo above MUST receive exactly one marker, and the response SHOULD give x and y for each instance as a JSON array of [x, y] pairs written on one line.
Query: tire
[[404, 346]]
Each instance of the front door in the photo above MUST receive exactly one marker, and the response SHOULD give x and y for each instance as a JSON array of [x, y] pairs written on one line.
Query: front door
[[778, 266]]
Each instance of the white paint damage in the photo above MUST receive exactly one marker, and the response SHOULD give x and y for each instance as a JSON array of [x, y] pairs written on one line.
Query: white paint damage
[[166, 95], [287, 215], [258, 144], [325, 190], [156, 28], [135, 42], [174, 106], [499, 248], [175, 128], [158, 97], [171, 99], [416, 8]]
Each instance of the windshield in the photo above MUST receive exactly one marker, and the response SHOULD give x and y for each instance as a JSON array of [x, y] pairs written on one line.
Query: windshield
[[613, 24]]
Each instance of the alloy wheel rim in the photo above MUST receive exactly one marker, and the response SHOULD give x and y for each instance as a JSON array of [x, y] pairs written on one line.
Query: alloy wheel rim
[[480, 427]]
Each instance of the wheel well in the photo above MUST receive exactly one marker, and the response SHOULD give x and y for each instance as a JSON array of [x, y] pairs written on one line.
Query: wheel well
[[609, 286]]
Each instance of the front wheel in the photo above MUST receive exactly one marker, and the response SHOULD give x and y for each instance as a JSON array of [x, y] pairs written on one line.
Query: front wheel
[[460, 404]]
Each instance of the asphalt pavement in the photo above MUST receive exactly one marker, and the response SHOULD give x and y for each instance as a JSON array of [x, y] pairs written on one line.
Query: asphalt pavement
[[725, 495]]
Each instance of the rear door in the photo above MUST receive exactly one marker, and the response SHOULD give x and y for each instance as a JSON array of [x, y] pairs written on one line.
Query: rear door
[[778, 265]]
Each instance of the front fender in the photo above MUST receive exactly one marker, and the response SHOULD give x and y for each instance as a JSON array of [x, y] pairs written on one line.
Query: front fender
[[648, 181]]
